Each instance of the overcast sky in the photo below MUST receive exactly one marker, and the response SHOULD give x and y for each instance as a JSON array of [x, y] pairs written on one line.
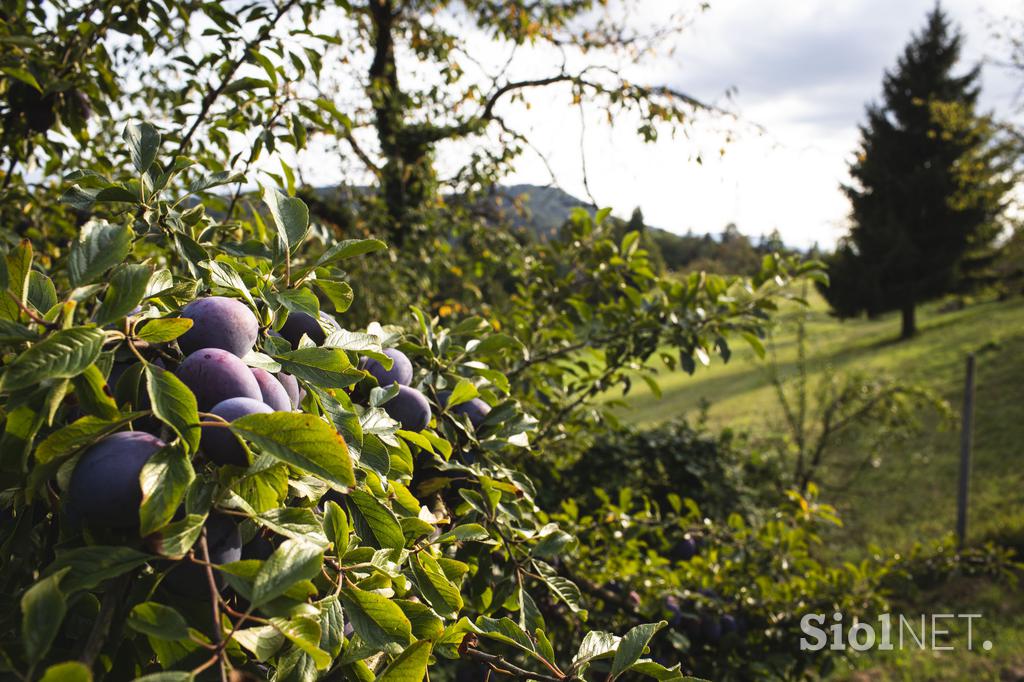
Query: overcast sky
[[802, 69]]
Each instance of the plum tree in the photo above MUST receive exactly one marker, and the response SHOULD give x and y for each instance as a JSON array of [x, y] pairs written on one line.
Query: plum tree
[[298, 324], [400, 372], [214, 375], [409, 408], [273, 392], [218, 443], [104, 488], [219, 322], [475, 408], [224, 542], [291, 387]]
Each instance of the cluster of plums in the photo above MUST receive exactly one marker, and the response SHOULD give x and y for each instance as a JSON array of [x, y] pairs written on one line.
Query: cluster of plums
[[104, 487], [705, 626]]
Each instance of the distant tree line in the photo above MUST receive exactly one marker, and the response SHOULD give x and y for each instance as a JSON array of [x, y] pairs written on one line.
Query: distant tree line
[[729, 252]]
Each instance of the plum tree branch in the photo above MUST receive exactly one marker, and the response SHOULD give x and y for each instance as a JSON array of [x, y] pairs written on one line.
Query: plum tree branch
[[98, 636], [214, 605], [213, 95]]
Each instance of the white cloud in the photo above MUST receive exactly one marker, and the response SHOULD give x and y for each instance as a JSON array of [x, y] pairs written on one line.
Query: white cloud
[[803, 70]]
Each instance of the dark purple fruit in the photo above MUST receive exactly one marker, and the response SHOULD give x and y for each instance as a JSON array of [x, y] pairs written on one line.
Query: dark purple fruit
[[476, 409], [258, 548], [728, 625], [685, 550], [298, 324], [218, 442], [409, 408], [710, 627], [215, 375], [219, 322], [273, 392], [105, 487], [291, 386], [400, 372]]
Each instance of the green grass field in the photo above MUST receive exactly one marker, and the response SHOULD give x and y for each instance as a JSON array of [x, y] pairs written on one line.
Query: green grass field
[[911, 495]]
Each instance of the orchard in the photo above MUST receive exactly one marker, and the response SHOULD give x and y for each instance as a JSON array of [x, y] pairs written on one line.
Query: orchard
[[287, 393], [207, 474]]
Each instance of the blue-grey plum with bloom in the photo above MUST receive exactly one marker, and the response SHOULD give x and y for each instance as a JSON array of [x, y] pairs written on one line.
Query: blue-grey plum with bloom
[[409, 408], [476, 409], [219, 322], [273, 392], [214, 375], [104, 488], [218, 442], [400, 372], [298, 324], [291, 386]]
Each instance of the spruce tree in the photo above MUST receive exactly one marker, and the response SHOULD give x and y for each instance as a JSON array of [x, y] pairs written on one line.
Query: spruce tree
[[929, 184]]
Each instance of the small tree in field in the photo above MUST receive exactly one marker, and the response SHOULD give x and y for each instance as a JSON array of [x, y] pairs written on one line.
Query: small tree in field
[[929, 184]]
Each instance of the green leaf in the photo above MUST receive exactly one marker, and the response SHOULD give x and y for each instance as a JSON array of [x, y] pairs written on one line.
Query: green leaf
[[174, 404], [157, 620], [59, 356], [381, 520], [563, 588], [164, 329], [290, 216], [349, 248], [246, 83], [376, 619], [292, 561], [338, 293], [41, 293], [595, 645], [165, 479], [263, 641], [143, 141], [99, 247], [301, 440], [92, 565], [300, 300], [410, 666], [337, 527], [425, 623], [42, 612], [332, 625], [304, 632], [435, 587], [468, 532], [464, 391], [93, 393], [661, 673], [18, 266], [23, 75], [126, 290], [632, 645], [77, 435], [70, 671], [167, 676], [325, 367], [176, 539], [13, 332]]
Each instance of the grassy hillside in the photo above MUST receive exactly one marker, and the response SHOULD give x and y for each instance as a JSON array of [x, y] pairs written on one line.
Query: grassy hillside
[[910, 495]]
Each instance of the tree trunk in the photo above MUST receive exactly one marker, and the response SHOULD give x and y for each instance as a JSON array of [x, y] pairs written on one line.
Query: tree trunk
[[407, 175], [909, 327]]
